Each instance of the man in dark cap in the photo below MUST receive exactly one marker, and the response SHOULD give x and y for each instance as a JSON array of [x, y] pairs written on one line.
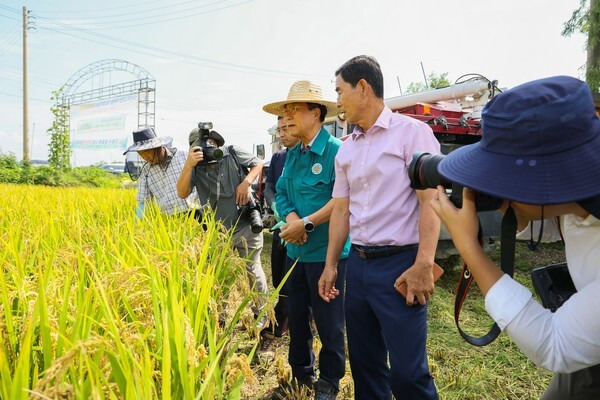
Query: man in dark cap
[[158, 178], [224, 186]]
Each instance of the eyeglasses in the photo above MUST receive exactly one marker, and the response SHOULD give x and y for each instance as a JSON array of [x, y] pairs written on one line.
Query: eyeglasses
[[289, 110]]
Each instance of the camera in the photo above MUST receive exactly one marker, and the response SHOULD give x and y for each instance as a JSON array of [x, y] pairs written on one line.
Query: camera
[[423, 174], [251, 211], [210, 153]]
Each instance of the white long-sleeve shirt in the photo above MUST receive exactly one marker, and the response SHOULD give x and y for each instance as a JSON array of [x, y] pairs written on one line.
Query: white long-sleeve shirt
[[569, 339]]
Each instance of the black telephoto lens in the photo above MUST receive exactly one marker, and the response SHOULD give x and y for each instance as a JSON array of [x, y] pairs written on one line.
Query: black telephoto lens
[[251, 211], [423, 172]]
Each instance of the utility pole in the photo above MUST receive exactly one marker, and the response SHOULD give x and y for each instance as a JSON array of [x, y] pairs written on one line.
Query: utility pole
[[26, 155]]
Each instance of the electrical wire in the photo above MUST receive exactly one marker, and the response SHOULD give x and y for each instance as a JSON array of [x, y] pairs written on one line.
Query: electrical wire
[[475, 76], [186, 16], [183, 58], [7, 8], [10, 34], [9, 42], [101, 10], [20, 97], [6, 16], [138, 12]]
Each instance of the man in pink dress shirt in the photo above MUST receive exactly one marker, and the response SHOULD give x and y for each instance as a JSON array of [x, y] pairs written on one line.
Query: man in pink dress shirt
[[394, 234]]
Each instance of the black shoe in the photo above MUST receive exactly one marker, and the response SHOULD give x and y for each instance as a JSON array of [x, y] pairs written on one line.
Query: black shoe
[[325, 391]]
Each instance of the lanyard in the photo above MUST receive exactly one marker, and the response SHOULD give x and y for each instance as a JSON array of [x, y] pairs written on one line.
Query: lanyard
[[507, 264]]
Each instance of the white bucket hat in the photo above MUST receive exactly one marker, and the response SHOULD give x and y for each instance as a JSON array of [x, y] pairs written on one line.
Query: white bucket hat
[[303, 92]]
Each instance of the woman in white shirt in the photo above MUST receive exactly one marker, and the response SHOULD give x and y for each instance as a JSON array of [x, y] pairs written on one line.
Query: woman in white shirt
[[540, 151]]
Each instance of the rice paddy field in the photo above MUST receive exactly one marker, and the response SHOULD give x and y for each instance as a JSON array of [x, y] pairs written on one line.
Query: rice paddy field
[[96, 304]]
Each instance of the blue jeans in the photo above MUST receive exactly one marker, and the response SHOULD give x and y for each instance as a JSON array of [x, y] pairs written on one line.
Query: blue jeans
[[378, 324], [303, 296]]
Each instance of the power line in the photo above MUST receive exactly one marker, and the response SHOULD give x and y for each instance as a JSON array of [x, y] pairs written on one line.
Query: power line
[[15, 10], [31, 98], [163, 20], [14, 31], [101, 10], [6, 16], [8, 43], [170, 6], [184, 58]]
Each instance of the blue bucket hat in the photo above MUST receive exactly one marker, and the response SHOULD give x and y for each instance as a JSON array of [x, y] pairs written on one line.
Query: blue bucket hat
[[540, 145]]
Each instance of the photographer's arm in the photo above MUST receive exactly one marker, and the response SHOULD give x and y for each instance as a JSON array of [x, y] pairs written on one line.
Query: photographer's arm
[[564, 341], [419, 277], [463, 227], [184, 182], [242, 192]]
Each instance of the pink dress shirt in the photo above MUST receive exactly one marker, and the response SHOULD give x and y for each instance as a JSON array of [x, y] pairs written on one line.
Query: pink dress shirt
[[372, 170]]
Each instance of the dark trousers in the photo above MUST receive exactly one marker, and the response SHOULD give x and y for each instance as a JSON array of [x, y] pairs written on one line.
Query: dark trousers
[[303, 295], [579, 385], [278, 269], [378, 324]]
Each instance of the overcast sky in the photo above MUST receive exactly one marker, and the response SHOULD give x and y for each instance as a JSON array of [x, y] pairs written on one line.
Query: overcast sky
[[222, 60]]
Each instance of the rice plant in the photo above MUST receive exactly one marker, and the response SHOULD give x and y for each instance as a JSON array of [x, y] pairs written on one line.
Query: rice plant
[[97, 304]]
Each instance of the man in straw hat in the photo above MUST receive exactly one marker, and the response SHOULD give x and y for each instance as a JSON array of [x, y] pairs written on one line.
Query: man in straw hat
[[542, 140], [303, 196], [158, 179], [394, 235]]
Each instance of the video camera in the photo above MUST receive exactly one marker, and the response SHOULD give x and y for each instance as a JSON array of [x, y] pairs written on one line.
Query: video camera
[[210, 153], [423, 174]]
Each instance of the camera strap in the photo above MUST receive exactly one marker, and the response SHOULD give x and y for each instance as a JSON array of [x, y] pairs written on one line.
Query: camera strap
[[507, 264]]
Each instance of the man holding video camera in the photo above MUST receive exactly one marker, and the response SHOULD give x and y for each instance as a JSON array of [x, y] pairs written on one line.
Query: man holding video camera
[[541, 141], [222, 176], [394, 235]]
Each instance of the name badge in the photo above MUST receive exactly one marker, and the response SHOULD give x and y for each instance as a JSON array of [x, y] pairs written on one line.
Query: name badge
[[317, 169]]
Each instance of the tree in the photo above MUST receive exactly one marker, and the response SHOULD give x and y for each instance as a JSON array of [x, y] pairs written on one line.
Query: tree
[[60, 142], [586, 19], [434, 80]]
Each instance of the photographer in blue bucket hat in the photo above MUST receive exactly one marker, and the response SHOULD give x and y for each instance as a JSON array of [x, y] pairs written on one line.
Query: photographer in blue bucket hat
[[540, 153]]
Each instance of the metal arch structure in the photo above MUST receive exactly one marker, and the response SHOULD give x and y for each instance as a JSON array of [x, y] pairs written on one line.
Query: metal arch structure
[[144, 87]]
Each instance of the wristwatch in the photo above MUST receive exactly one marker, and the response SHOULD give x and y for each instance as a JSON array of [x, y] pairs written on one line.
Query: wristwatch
[[308, 225]]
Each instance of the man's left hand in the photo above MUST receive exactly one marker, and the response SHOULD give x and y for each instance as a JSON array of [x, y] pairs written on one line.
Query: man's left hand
[[294, 232], [242, 193], [419, 282]]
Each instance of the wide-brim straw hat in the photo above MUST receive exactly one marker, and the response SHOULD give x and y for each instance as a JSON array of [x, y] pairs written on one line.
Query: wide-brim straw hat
[[146, 139], [540, 145], [303, 92]]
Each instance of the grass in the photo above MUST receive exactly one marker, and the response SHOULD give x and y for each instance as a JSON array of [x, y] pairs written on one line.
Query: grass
[[461, 371], [95, 304]]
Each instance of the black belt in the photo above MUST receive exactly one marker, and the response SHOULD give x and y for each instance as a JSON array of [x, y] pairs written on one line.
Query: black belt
[[381, 251]]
